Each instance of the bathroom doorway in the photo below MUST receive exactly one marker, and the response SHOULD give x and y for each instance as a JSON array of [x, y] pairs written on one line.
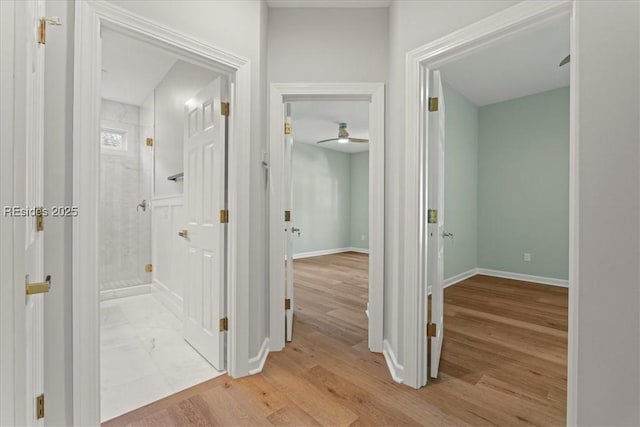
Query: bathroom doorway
[[144, 252]]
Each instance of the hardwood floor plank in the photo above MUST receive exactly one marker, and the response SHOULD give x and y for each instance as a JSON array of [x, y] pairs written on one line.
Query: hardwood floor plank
[[292, 415], [503, 362]]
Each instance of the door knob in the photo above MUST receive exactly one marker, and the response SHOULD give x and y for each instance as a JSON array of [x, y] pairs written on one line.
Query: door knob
[[445, 234], [295, 230], [184, 233]]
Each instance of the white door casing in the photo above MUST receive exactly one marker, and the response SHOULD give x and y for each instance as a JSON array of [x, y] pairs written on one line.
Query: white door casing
[[205, 198], [436, 230], [288, 205], [89, 20], [280, 94], [419, 62]]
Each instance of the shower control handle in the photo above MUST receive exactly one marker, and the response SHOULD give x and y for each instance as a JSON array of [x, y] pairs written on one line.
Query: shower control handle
[[184, 233], [142, 205]]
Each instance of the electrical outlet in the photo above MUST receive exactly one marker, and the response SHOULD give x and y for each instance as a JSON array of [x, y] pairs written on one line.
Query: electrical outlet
[[527, 257]]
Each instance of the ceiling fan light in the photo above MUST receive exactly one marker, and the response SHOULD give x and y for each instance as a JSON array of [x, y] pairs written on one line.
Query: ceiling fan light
[[343, 140]]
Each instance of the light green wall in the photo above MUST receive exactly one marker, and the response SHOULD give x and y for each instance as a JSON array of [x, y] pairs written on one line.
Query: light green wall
[[321, 198], [330, 199], [461, 183], [359, 163], [523, 185]]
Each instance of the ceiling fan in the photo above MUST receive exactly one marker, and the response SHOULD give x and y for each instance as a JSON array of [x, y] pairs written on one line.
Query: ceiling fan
[[343, 136]]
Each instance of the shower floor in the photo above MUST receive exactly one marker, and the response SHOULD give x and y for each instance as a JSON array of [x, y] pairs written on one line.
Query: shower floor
[[143, 355]]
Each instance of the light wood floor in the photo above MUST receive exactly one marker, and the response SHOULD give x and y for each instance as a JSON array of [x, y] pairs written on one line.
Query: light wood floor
[[503, 362]]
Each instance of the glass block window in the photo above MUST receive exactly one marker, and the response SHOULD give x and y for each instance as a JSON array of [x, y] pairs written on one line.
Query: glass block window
[[113, 139]]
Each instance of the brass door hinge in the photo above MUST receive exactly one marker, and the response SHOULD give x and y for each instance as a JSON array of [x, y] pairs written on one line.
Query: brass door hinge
[[224, 109], [224, 324], [224, 216], [42, 28], [149, 142], [37, 287], [148, 268], [287, 216], [39, 219], [433, 104], [287, 128], [40, 406], [287, 304], [432, 216], [431, 329]]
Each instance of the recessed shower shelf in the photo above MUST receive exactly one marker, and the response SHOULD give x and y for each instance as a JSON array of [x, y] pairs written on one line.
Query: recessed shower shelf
[[176, 177]]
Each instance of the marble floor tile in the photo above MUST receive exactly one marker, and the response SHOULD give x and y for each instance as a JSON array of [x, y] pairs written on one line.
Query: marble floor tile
[[143, 355], [122, 398]]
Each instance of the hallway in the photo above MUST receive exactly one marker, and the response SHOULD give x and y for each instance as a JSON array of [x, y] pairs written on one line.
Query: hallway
[[504, 362]]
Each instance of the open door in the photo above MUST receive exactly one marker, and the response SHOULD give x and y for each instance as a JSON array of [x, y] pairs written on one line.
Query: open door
[[435, 327], [32, 165], [205, 162], [290, 229], [24, 216]]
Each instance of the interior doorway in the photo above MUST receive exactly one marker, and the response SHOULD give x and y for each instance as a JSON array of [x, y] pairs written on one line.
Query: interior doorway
[[307, 98], [160, 116], [328, 179], [202, 124], [498, 155]]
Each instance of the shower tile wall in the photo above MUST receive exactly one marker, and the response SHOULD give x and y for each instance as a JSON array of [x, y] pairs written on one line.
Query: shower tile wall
[[125, 242]]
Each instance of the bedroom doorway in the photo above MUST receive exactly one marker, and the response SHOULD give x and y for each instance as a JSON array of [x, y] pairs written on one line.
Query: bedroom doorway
[[327, 181], [285, 226]]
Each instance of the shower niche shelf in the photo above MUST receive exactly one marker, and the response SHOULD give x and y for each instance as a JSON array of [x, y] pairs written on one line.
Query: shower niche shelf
[[177, 177]]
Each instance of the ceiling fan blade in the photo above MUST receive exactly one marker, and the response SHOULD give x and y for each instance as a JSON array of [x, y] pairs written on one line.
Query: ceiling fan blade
[[327, 140], [358, 140]]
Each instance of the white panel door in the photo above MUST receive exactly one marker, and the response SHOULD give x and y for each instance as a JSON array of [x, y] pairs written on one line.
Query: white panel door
[[28, 191], [205, 197], [436, 230], [290, 229]]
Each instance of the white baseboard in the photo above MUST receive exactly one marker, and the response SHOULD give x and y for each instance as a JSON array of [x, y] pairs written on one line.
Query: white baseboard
[[396, 370], [167, 298], [257, 363], [505, 275], [328, 252], [524, 277], [359, 250], [128, 291], [460, 277]]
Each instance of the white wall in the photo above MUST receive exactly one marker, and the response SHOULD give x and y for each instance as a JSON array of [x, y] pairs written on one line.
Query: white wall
[[608, 305], [179, 85], [327, 45], [58, 191]]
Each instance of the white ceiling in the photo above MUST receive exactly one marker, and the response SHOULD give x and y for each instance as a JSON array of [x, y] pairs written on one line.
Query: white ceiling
[[131, 69], [317, 120], [522, 65], [328, 3]]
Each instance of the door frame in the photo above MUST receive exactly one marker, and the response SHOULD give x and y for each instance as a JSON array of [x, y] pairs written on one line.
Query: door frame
[[418, 64], [90, 17], [285, 92], [12, 396]]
